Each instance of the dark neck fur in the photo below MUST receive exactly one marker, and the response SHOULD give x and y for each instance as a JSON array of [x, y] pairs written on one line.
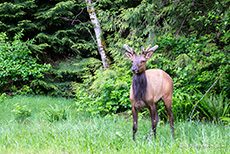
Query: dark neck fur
[[139, 85]]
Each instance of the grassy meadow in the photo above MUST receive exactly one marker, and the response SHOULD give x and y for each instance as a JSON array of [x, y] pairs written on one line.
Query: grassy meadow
[[42, 124]]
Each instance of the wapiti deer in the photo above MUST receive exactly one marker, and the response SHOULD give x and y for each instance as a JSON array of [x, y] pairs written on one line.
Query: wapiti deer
[[148, 88]]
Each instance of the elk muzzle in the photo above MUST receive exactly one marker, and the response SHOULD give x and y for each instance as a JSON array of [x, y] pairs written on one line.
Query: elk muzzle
[[134, 69]]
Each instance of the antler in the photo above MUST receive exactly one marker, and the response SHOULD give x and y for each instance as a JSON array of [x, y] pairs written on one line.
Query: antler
[[130, 50], [149, 49]]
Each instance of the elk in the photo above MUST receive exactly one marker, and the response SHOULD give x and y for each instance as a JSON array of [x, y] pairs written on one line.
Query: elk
[[148, 88]]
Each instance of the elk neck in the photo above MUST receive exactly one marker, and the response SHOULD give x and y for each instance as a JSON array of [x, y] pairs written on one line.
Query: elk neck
[[139, 86]]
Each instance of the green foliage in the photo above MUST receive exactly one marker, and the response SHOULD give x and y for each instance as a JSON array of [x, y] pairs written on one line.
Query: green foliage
[[25, 89], [193, 39], [86, 67], [182, 105], [21, 113], [17, 65], [56, 113], [58, 37], [41, 87], [214, 107], [2, 97], [226, 119], [193, 64], [191, 47], [59, 79], [107, 92]]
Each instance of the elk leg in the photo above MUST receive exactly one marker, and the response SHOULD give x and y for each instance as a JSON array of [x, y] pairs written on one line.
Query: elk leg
[[168, 106], [135, 117], [154, 119]]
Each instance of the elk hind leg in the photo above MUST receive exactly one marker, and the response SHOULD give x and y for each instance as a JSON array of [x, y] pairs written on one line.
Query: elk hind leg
[[168, 106]]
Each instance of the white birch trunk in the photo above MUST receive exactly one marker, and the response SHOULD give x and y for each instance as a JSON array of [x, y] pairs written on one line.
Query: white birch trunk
[[98, 32]]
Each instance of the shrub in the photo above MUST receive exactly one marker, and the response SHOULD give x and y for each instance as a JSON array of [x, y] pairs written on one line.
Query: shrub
[[193, 63], [182, 105], [105, 93], [18, 66]]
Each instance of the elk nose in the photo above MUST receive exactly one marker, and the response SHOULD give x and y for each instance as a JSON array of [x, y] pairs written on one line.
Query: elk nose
[[134, 69]]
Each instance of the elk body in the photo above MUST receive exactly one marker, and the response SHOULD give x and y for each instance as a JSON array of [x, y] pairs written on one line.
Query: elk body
[[148, 88]]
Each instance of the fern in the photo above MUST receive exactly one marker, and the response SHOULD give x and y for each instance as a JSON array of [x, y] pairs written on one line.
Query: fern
[[182, 60]]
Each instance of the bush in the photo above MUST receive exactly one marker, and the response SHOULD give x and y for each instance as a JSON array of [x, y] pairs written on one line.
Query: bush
[[182, 105], [18, 66], [193, 63], [105, 93]]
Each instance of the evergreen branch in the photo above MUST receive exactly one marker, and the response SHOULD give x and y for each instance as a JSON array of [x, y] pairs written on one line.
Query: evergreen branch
[[173, 25], [67, 19]]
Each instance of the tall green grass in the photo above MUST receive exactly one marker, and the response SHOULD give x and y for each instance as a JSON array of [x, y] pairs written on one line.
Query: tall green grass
[[37, 104], [82, 133]]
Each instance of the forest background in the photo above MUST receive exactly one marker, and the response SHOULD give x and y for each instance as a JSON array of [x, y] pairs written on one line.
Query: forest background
[[48, 47]]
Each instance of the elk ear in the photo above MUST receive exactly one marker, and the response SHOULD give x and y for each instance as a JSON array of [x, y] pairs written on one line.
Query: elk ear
[[128, 55]]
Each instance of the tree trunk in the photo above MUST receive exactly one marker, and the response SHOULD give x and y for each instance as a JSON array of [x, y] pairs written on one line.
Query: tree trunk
[[98, 32]]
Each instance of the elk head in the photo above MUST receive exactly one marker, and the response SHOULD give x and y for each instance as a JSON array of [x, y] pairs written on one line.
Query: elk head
[[139, 61]]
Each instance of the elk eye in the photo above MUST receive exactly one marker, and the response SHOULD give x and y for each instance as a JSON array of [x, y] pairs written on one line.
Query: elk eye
[[143, 61]]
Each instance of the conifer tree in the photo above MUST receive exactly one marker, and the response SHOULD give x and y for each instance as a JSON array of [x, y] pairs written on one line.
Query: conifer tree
[[40, 20]]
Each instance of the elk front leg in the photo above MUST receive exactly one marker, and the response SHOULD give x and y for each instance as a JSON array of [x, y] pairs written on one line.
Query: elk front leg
[[154, 120], [135, 118]]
